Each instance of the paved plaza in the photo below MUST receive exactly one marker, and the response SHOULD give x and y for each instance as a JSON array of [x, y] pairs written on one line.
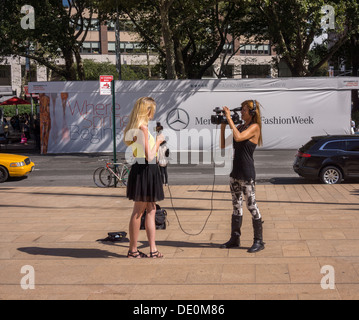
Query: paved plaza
[[54, 230]]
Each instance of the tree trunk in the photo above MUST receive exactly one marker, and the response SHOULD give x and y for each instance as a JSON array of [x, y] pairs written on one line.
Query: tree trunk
[[168, 39], [80, 65], [180, 62], [70, 72]]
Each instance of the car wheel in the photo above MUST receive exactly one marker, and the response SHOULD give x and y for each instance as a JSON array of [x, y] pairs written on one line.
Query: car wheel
[[3, 174], [331, 175]]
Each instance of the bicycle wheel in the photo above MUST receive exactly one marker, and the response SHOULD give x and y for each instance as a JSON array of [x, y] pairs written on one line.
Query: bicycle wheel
[[96, 177], [106, 177], [124, 176]]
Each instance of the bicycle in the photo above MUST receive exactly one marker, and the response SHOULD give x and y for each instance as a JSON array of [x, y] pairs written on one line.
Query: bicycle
[[105, 177]]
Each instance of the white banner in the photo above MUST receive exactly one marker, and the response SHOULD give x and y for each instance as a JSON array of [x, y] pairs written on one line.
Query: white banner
[[76, 118]]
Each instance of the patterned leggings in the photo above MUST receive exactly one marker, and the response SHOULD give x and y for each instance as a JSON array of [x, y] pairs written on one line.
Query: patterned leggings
[[246, 188]]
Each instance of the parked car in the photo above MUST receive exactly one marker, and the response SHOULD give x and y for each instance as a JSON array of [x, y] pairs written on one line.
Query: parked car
[[12, 165], [330, 158]]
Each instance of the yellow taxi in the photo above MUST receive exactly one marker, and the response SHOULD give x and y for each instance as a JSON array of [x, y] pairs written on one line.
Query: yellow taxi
[[12, 165]]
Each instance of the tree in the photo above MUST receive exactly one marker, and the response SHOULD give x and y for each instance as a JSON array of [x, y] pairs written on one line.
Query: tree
[[189, 35], [59, 33], [348, 54], [292, 26]]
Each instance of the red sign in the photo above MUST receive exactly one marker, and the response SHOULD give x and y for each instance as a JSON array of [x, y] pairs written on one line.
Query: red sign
[[27, 94], [106, 85]]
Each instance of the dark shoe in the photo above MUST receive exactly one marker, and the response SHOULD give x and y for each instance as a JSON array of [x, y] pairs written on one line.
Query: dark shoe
[[258, 243], [136, 255], [234, 241], [156, 255]]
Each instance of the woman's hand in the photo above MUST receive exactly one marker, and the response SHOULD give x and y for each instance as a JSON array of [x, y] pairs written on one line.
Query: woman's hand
[[159, 139], [227, 112]]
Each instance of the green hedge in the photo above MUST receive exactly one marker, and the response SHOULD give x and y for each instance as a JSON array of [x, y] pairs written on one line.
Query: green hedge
[[10, 111]]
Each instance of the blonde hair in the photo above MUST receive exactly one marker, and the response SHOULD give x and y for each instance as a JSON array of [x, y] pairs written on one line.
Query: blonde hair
[[143, 110], [256, 118]]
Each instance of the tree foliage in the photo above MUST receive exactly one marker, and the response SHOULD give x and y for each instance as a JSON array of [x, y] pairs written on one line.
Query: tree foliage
[[59, 33], [293, 25], [189, 35]]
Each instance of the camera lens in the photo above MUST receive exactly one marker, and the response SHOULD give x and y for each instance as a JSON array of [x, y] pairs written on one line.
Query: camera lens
[[215, 119]]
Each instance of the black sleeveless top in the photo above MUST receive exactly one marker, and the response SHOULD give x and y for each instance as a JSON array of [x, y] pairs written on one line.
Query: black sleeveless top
[[243, 162]]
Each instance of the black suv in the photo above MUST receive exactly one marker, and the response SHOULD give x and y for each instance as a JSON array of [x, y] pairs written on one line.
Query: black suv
[[329, 158]]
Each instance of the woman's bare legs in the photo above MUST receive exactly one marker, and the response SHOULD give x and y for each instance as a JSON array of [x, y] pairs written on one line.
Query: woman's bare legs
[[151, 225], [135, 223]]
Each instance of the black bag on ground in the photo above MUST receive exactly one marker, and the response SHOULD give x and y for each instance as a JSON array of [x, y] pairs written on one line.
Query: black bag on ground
[[160, 219], [115, 236]]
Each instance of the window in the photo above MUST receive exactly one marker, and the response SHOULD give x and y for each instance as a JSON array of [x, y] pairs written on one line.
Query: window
[[255, 49], [133, 47], [90, 48], [334, 145], [126, 47], [111, 47], [353, 145], [228, 48], [228, 71], [94, 24], [111, 26], [209, 73], [256, 71], [5, 75], [125, 25], [308, 145], [33, 72]]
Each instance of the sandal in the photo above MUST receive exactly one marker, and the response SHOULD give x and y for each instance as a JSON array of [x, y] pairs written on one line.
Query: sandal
[[136, 255], [156, 255]]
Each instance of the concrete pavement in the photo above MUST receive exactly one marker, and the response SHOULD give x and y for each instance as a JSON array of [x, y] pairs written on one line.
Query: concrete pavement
[[54, 231]]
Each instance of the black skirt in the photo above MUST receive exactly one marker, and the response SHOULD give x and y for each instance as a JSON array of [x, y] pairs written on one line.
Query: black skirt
[[144, 183]]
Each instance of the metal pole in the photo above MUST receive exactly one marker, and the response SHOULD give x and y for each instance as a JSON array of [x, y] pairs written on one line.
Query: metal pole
[[114, 125], [118, 45]]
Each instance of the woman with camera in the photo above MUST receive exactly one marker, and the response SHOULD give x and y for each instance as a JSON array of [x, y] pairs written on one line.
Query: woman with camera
[[144, 185], [246, 137]]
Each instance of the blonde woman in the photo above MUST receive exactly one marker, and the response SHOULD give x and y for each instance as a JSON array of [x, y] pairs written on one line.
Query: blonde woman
[[144, 184], [246, 137]]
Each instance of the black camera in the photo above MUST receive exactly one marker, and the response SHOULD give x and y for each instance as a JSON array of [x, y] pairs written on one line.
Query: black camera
[[219, 117], [159, 128]]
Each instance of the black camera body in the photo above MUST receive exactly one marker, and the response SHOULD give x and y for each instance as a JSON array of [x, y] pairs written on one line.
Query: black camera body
[[159, 128], [220, 118]]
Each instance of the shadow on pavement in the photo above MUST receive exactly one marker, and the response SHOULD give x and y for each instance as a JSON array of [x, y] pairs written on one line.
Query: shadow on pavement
[[70, 252]]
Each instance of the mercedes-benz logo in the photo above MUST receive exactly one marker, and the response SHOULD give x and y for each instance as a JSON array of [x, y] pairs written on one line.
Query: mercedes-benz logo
[[178, 119]]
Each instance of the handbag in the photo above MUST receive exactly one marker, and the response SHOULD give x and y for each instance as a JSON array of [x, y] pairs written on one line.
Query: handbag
[[23, 138], [114, 236], [160, 219]]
